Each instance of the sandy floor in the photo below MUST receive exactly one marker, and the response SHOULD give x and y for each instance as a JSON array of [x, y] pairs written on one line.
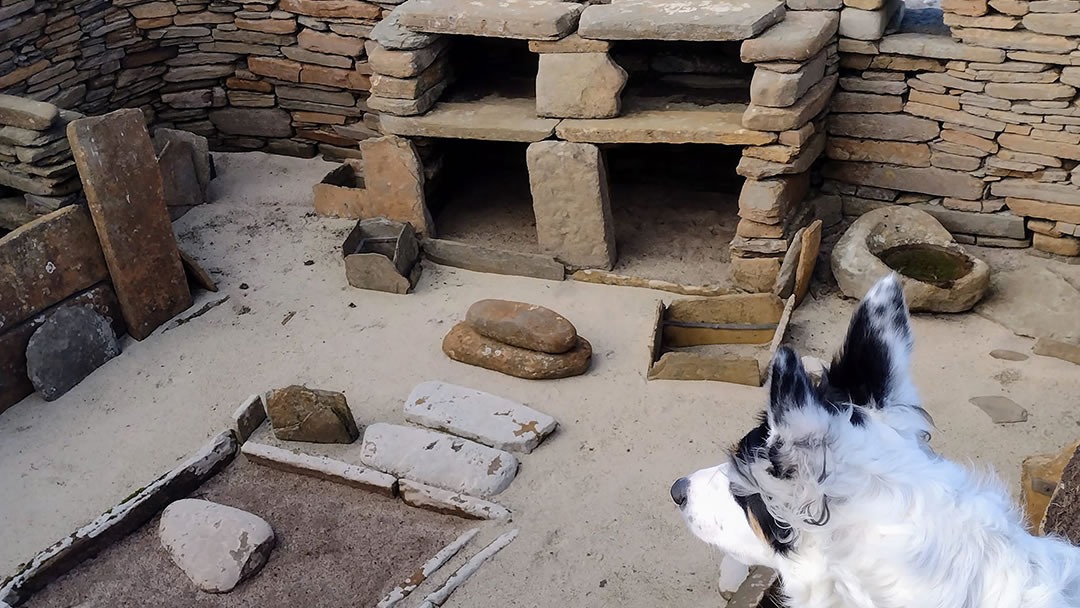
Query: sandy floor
[[597, 525], [324, 532]]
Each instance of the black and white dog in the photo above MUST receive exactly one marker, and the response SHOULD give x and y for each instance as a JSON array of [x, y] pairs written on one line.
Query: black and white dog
[[838, 490]]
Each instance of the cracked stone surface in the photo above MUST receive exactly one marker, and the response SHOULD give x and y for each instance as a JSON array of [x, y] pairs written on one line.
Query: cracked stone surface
[[298, 413], [437, 459], [216, 546], [1051, 314], [483, 417]]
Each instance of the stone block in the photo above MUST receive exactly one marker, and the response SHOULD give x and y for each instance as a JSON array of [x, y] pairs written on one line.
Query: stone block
[[411, 88], [382, 255], [352, 9], [926, 180], [782, 119], [1063, 194], [499, 120], [25, 113], [1019, 40], [341, 193], [909, 154], [756, 168], [1031, 91], [523, 325], [938, 47], [1004, 225], [1053, 24], [124, 191], [579, 85], [248, 417], [402, 64], [970, 8], [256, 122], [780, 90], [867, 25], [693, 20], [299, 413], [768, 201], [464, 344], [67, 348], [1059, 245], [497, 261], [482, 417], [757, 275], [394, 180], [846, 101], [390, 34], [798, 37], [523, 19], [573, 43], [570, 199], [329, 43], [438, 459], [407, 107]]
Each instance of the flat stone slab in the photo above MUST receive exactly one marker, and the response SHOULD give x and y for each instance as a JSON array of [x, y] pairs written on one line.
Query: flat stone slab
[[689, 20], [423, 496], [1001, 410], [483, 417], [438, 459], [798, 37], [938, 47], [491, 118], [489, 259], [320, 466], [647, 121], [523, 19], [216, 546]]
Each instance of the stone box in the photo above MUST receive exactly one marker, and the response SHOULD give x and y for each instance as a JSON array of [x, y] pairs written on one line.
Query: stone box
[[727, 338], [382, 255], [341, 193]]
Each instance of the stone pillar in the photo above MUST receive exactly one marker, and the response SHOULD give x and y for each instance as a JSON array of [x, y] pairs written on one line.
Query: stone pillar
[[577, 79], [570, 199], [394, 180]]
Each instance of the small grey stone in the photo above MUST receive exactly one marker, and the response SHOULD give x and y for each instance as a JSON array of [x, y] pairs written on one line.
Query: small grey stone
[[67, 348], [1008, 355], [1001, 410]]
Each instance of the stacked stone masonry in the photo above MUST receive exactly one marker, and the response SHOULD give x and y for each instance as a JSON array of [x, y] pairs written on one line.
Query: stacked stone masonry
[[970, 113]]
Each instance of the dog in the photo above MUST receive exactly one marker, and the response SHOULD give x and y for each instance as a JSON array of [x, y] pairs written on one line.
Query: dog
[[838, 490]]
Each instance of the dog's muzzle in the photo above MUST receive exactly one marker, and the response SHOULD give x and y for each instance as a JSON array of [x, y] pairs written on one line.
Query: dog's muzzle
[[679, 491]]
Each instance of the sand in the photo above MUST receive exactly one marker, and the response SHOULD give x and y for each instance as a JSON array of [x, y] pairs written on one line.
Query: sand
[[597, 525]]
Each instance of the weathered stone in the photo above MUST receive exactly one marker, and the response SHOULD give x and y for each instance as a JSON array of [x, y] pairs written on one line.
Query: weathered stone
[[215, 545], [258, 122], [1001, 410], [780, 90], [990, 22], [402, 64], [1049, 347], [1060, 519], [299, 413], [1030, 91], [296, 53], [881, 87], [423, 496], [527, 19], [867, 25], [382, 255], [482, 417], [1002, 225], [463, 344], [956, 117], [26, 113], [928, 180], [784, 285], [390, 34], [799, 36], [768, 201], [248, 417], [756, 275], [282, 69], [951, 102], [1008, 355], [678, 123], [335, 77], [355, 9], [150, 10], [496, 261], [410, 88], [808, 254], [394, 179], [844, 101], [1039, 477], [1054, 24], [1016, 40], [857, 267], [407, 107], [570, 44], [892, 127], [1059, 245], [321, 467], [500, 120], [693, 20], [1011, 7], [67, 348], [782, 119], [268, 26], [951, 81], [124, 190], [1033, 145], [970, 8], [756, 168], [180, 183], [946, 160], [438, 459], [333, 44], [569, 188], [579, 85], [522, 325], [938, 47], [1064, 194]]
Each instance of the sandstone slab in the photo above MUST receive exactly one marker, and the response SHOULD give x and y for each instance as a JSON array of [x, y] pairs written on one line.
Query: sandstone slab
[[524, 19], [808, 255], [687, 20], [488, 259], [321, 467], [569, 189], [675, 123], [780, 90], [926, 180], [261, 122], [493, 119], [798, 37], [438, 459], [1049, 347], [783, 119], [299, 413], [123, 187], [892, 127], [910, 154], [938, 47], [402, 64], [867, 25], [423, 496], [351, 9], [1001, 410], [1062, 194], [25, 113], [1061, 519], [482, 417], [1019, 40], [1060, 245], [67, 348], [389, 33], [464, 344], [248, 417], [579, 85], [382, 255], [767, 201], [523, 325], [394, 180], [1053, 24], [216, 546], [1039, 477]]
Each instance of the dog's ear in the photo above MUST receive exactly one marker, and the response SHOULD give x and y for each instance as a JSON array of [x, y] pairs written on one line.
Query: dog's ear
[[871, 368], [789, 387]]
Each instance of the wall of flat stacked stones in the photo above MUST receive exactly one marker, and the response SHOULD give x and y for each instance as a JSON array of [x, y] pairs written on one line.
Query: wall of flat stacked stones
[[976, 119], [286, 76]]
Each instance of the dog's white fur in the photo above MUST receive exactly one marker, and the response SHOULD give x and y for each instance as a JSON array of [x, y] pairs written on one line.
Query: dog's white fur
[[903, 527]]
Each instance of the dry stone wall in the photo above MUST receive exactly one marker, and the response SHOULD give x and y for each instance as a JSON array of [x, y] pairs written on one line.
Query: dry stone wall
[[971, 114]]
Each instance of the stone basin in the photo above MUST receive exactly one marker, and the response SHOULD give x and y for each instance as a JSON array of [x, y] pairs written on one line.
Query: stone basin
[[938, 275]]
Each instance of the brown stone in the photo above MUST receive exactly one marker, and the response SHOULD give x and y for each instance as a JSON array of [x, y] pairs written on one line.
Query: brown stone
[[258, 86], [27, 113], [1033, 145], [401, 64], [269, 26], [970, 8], [893, 127], [927, 180], [333, 44], [1039, 476], [957, 117], [579, 85], [124, 190], [407, 107], [353, 79], [1042, 209], [1028, 188], [811, 244], [1061, 513], [341, 193], [570, 44], [1049, 347], [891, 152], [844, 101], [260, 122], [899, 63], [47, 260], [951, 102], [354, 9], [394, 178], [938, 47], [756, 275], [282, 69], [153, 9], [780, 90], [410, 88], [1053, 24], [496, 261], [522, 325], [756, 168], [526, 19], [799, 36], [783, 119], [768, 200], [1035, 91], [1019, 40], [299, 413], [969, 139], [310, 57], [1060, 245], [464, 344]]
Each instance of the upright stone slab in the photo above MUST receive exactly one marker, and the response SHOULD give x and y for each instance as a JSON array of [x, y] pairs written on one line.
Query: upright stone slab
[[483, 417], [570, 199], [579, 85], [394, 178], [689, 20], [123, 187], [438, 459], [67, 348]]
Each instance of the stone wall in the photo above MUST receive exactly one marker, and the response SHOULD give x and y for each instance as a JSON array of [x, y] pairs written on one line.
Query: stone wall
[[287, 76], [972, 115]]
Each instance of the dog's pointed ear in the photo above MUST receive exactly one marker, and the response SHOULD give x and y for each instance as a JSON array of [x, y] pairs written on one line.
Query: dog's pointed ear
[[789, 387], [872, 368]]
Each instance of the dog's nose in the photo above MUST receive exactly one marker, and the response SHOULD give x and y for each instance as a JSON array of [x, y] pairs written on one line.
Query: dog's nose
[[679, 489]]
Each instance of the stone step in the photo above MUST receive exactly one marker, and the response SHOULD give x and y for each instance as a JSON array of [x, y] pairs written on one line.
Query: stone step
[[522, 19], [483, 417], [688, 20], [438, 459]]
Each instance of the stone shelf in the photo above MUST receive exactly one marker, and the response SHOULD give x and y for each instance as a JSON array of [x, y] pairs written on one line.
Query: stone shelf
[[492, 118], [684, 20], [522, 19], [652, 120]]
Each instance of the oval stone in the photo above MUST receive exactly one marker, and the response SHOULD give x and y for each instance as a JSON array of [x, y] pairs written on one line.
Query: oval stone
[[523, 325], [464, 344]]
